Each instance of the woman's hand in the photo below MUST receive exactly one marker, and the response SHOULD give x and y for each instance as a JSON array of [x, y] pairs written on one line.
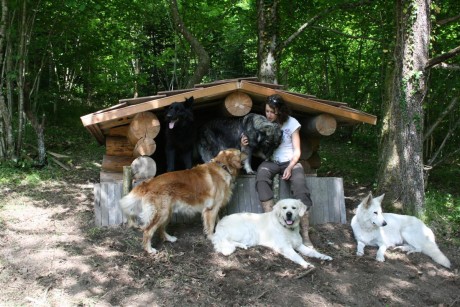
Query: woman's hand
[[287, 173], [244, 140]]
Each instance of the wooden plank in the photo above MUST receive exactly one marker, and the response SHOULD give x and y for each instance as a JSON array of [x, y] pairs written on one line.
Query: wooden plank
[[103, 199], [105, 126], [218, 90], [270, 85], [131, 101], [309, 105], [176, 92], [110, 205], [117, 106], [97, 204], [118, 220], [327, 196], [97, 133], [226, 81]]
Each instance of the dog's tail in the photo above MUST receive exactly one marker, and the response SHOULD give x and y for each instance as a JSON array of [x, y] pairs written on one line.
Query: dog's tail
[[131, 206], [222, 245], [431, 249]]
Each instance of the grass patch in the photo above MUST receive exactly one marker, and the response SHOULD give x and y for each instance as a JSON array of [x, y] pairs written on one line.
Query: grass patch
[[355, 164], [442, 211]]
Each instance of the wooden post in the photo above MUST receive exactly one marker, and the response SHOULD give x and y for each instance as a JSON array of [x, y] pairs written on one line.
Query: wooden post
[[127, 180]]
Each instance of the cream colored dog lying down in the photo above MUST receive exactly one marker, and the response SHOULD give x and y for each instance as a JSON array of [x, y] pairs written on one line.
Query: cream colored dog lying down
[[278, 230]]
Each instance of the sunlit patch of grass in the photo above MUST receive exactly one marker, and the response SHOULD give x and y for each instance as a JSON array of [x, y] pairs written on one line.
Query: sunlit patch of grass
[[442, 210]]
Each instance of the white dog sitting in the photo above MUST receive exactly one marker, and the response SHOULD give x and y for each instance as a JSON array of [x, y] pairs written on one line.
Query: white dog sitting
[[407, 233], [277, 229]]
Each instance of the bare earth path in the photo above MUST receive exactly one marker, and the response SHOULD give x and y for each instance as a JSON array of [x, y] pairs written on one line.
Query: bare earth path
[[52, 255]]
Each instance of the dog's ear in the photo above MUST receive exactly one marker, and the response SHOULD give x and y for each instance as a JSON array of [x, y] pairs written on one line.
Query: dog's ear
[[380, 198], [188, 102], [302, 208], [277, 206], [367, 201]]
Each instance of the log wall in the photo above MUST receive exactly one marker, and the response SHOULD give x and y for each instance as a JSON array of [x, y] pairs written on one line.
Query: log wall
[[326, 192]]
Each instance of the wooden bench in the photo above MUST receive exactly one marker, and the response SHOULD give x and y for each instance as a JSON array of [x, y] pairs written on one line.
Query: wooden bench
[[326, 192]]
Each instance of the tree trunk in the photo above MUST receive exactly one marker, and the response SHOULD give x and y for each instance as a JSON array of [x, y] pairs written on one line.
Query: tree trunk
[[21, 79], [401, 153], [267, 52], [204, 61]]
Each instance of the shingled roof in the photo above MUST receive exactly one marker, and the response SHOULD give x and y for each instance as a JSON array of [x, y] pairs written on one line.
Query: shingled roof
[[211, 94]]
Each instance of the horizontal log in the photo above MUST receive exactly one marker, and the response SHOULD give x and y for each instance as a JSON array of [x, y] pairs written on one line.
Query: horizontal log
[[119, 131], [320, 125], [144, 147], [143, 125], [118, 146], [238, 104], [143, 167], [115, 163]]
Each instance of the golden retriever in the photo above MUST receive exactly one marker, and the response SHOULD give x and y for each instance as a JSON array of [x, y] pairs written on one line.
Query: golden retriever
[[205, 188], [277, 229]]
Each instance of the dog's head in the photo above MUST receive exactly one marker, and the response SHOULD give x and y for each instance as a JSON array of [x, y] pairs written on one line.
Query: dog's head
[[288, 212], [372, 210], [231, 159], [264, 136], [179, 113]]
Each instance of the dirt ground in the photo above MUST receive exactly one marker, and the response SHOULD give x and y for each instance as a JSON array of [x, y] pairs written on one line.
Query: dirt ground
[[51, 254]]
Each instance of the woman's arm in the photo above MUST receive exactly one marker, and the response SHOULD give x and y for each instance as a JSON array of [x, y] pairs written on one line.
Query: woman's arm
[[295, 155]]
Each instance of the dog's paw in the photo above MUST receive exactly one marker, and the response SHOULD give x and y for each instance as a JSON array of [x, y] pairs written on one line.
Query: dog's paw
[[326, 257], [170, 238], [151, 251], [308, 266]]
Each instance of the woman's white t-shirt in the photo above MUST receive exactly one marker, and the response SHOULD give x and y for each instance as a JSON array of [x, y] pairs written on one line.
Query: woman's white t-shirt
[[285, 151]]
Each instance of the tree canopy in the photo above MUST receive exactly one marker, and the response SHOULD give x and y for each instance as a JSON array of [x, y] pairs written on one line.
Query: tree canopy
[[62, 56]]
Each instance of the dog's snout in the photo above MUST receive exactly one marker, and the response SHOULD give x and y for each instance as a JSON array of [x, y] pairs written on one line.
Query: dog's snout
[[384, 223], [289, 215]]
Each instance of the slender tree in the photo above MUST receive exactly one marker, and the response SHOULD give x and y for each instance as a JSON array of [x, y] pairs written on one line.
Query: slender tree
[[204, 60]]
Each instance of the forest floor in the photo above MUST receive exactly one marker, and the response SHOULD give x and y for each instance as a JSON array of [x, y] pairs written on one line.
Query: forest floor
[[51, 254]]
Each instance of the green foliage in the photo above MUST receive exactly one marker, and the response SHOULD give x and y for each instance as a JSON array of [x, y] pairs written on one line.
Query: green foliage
[[356, 164], [442, 211]]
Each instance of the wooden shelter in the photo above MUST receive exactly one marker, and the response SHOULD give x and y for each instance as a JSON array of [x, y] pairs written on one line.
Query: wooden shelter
[[131, 129]]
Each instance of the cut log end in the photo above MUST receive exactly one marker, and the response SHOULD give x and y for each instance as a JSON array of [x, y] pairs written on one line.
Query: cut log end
[[238, 104], [143, 125], [320, 125], [144, 147], [143, 167]]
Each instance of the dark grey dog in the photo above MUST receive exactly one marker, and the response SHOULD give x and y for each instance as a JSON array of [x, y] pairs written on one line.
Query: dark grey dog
[[218, 134]]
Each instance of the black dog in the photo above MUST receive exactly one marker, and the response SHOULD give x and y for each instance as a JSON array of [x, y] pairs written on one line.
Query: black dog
[[218, 134], [180, 133]]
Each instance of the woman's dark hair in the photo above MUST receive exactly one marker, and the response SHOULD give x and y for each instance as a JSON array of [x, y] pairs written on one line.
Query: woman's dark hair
[[277, 103]]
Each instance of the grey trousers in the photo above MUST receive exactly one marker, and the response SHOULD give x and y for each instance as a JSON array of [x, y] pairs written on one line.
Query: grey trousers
[[264, 180]]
